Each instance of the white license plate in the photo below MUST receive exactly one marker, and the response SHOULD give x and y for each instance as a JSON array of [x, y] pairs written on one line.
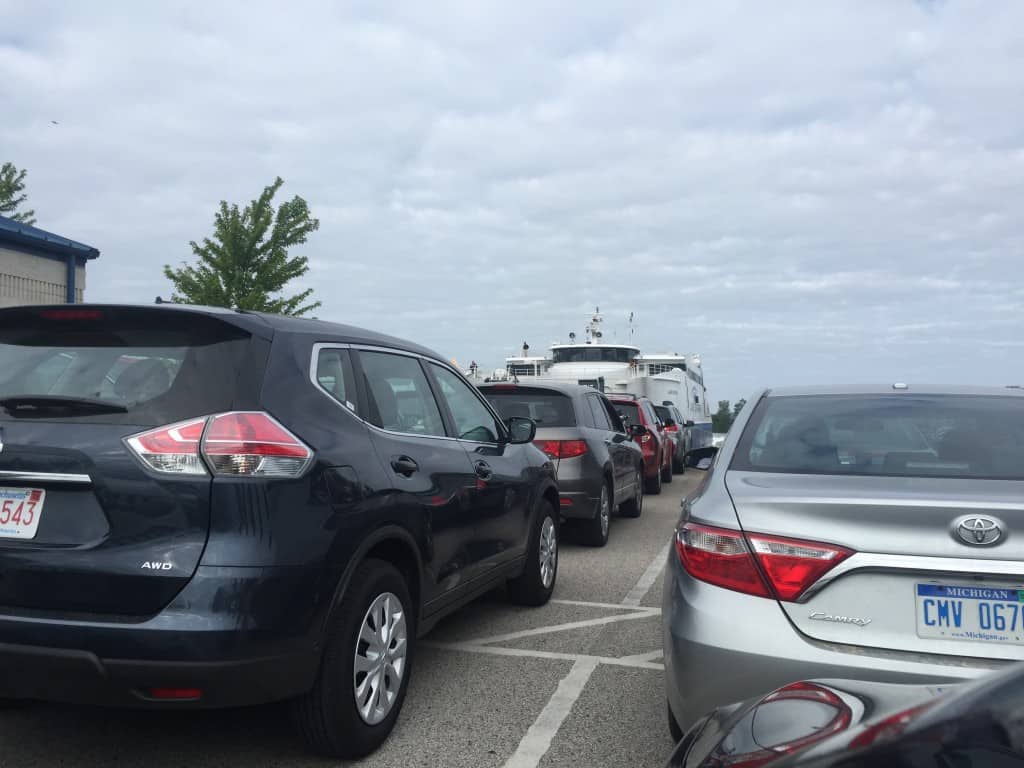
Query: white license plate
[[20, 510], [963, 612]]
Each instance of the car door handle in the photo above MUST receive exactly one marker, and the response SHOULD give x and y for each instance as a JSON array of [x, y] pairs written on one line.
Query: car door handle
[[483, 470], [404, 466]]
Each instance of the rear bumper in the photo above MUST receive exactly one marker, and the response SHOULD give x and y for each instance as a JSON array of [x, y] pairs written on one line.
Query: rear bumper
[[240, 635], [579, 486], [81, 677], [722, 647]]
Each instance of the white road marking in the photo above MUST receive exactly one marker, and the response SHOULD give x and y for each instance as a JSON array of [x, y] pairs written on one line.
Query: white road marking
[[650, 656], [587, 604], [643, 586], [493, 650], [537, 740], [636, 614]]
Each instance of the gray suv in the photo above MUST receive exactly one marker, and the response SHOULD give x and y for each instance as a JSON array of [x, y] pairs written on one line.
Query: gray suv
[[599, 466], [864, 533]]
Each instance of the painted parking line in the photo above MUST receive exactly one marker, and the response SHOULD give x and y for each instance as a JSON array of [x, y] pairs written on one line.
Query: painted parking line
[[538, 738], [646, 581], [633, 662], [643, 613]]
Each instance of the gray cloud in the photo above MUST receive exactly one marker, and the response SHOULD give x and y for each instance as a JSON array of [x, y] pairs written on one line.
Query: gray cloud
[[804, 192]]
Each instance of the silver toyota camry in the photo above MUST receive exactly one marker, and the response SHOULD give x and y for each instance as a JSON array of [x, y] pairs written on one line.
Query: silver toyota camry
[[866, 533]]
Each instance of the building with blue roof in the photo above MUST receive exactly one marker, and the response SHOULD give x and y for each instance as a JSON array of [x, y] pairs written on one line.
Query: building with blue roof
[[39, 267]]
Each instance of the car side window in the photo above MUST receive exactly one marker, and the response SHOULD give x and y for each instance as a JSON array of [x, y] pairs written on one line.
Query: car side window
[[334, 375], [398, 395], [584, 417], [473, 420], [652, 417], [597, 409], [613, 415]]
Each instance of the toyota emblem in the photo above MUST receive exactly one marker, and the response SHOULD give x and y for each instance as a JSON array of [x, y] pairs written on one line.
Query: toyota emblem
[[978, 531]]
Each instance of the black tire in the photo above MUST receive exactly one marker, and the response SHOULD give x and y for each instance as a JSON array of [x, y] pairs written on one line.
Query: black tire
[[595, 531], [327, 717], [529, 588], [673, 724], [653, 486], [666, 473], [635, 506]]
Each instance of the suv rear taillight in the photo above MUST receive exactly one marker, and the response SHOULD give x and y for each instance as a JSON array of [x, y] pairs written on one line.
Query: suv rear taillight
[[756, 564], [173, 449], [562, 449], [247, 443]]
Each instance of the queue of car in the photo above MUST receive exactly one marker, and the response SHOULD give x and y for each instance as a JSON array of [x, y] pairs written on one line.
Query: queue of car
[[207, 508]]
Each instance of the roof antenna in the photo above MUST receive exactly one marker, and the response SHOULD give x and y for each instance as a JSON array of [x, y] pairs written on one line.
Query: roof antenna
[[158, 300]]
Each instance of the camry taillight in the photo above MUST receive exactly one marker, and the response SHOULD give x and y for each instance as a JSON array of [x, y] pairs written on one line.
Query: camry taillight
[[562, 449], [757, 564], [248, 443]]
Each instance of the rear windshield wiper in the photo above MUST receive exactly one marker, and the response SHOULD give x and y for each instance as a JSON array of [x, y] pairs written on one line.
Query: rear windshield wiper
[[29, 405]]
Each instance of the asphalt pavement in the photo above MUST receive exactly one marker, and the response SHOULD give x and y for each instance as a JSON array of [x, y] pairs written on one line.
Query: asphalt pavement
[[576, 682]]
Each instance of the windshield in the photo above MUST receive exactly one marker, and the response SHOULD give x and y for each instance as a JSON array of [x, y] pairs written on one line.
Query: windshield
[[897, 435], [546, 408]]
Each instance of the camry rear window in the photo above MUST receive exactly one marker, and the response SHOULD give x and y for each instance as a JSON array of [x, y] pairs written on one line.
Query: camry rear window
[[902, 435], [123, 366], [546, 408]]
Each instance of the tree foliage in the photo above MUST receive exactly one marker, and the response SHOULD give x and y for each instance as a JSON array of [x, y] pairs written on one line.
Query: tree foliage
[[245, 264], [12, 194], [721, 419]]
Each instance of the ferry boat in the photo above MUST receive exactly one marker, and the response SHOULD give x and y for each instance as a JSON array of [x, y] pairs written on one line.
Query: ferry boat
[[667, 379]]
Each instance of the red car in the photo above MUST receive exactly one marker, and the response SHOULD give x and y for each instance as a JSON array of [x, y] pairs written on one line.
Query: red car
[[649, 432]]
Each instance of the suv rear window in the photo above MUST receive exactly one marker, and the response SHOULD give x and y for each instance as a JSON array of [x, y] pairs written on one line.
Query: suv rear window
[[628, 412], [893, 435], [156, 368], [546, 408]]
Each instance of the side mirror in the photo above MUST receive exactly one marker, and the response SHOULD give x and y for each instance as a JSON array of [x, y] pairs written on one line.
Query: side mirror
[[700, 458], [689, 423], [521, 430]]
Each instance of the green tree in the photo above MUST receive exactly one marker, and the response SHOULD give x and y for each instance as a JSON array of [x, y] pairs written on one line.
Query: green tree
[[245, 265], [721, 419], [737, 408], [12, 185]]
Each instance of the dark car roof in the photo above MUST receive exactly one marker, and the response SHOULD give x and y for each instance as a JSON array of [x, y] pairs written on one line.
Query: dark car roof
[[564, 387], [264, 324]]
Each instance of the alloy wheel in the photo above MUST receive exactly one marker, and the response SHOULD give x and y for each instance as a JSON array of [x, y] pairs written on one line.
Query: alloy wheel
[[380, 658], [548, 551]]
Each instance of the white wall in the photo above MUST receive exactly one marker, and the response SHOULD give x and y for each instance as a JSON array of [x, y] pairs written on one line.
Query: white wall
[[27, 279]]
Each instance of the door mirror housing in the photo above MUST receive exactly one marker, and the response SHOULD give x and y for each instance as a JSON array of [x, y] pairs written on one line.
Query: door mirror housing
[[520, 430], [700, 458]]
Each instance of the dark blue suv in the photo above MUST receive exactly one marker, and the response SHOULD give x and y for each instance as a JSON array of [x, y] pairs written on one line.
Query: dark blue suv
[[207, 508]]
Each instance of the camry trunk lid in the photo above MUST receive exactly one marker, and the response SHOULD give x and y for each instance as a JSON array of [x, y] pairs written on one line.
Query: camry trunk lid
[[86, 528], [936, 540]]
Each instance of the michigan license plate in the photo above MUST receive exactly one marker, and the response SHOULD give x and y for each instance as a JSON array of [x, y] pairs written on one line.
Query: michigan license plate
[[20, 510], [986, 614]]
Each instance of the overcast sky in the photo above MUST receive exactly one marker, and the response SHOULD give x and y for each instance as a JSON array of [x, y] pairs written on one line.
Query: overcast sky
[[802, 192]]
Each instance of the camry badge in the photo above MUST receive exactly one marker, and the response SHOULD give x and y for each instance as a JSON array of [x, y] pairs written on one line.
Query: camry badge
[[978, 531], [855, 620]]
